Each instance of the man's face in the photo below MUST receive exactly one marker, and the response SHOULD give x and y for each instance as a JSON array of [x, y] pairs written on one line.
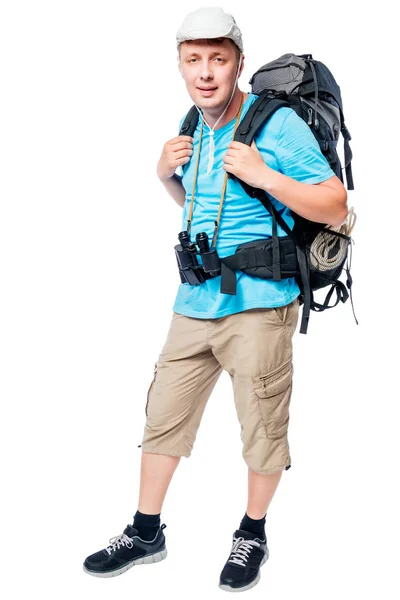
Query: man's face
[[207, 65]]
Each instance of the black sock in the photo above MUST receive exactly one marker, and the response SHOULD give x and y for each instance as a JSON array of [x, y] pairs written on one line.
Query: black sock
[[256, 526], [147, 525]]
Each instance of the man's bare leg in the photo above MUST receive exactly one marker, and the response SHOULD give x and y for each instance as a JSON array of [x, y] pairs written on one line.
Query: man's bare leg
[[261, 489], [155, 476]]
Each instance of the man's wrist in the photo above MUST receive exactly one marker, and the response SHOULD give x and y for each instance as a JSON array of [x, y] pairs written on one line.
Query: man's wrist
[[271, 181]]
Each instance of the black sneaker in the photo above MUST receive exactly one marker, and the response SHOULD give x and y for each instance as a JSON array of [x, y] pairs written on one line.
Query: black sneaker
[[125, 551], [242, 569]]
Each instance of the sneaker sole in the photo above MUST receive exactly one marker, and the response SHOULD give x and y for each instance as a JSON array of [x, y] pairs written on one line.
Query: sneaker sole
[[144, 560], [228, 588]]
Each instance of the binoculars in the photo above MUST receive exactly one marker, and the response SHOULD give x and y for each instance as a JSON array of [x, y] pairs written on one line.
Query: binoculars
[[186, 255]]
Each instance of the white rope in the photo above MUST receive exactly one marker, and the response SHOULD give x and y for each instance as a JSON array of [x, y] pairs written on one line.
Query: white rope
[[328, 251]]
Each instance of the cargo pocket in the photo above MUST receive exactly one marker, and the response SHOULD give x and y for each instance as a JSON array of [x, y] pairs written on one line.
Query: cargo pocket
[[273, 393], [151, 385]]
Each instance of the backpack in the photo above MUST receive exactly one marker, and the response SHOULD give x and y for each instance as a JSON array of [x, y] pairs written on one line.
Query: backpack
[[313, 253]]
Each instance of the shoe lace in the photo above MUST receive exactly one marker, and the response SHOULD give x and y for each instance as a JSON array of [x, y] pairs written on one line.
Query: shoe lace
[[241, 549], [119, 540]]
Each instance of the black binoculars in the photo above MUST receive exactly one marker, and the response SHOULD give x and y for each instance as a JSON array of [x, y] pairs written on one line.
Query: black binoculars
[[186, 255]]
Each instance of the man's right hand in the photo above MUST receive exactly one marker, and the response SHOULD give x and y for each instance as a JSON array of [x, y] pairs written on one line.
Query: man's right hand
[[176, 152]]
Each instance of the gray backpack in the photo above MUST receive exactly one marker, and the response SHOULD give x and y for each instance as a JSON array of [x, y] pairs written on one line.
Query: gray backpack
[[312, 91]]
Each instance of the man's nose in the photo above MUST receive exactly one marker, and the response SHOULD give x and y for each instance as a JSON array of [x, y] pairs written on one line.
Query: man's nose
[[205, 70]]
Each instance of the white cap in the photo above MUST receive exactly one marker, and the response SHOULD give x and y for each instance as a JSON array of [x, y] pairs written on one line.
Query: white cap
[[207, 23]]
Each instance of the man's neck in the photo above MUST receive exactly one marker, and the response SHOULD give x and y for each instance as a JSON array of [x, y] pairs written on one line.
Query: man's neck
[[231, 112]]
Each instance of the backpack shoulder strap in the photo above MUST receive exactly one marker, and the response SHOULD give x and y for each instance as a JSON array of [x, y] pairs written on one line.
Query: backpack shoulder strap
[[189, 124], [258, 114], [188, 127]]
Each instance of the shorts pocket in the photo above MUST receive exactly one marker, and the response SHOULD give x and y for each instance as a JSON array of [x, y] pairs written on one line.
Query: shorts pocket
[[280, 313], [273, 392], [287, 314], [151, 385]]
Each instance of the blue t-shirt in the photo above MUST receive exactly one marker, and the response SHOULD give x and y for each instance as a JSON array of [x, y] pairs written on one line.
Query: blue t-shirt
[[287, 145]]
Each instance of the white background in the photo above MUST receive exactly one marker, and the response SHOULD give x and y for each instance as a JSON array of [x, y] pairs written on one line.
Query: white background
[[90, 92]]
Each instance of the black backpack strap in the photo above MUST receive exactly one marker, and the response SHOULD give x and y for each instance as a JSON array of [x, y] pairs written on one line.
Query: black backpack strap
[[348, 155], [306, 294], [228, 278], [259, 113], [189, 124], [306, 291], [341, 295], [349, 281]]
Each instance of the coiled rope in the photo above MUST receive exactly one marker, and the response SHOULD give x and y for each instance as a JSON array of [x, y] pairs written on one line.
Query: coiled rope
[[327, 251]]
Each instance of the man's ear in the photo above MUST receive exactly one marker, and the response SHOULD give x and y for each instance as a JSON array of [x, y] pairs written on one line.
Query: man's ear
[[241, 65]]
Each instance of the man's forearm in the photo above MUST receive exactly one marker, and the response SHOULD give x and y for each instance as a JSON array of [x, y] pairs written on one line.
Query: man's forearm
[[324, 203], [175, 189]]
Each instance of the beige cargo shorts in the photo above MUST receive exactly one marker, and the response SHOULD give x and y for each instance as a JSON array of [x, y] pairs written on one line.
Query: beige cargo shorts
[[255, 348]]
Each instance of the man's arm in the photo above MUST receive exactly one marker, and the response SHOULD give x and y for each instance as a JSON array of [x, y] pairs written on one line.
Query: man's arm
[[305, 182], [324, 202], [175, 188], [176, 153]]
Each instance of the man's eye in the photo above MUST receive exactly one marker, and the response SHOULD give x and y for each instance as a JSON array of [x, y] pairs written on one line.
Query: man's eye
[[218, 58]]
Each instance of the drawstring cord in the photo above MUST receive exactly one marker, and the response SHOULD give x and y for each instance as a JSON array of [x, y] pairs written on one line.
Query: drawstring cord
[[211, 129]]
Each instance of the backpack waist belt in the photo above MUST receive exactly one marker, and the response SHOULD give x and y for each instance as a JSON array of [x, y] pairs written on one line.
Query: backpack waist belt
[[256, 258]]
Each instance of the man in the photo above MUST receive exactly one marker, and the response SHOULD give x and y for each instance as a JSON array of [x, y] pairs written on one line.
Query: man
[[248, 334]]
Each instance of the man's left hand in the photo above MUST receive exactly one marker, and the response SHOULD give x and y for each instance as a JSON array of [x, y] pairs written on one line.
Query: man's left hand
[[246, 163]]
